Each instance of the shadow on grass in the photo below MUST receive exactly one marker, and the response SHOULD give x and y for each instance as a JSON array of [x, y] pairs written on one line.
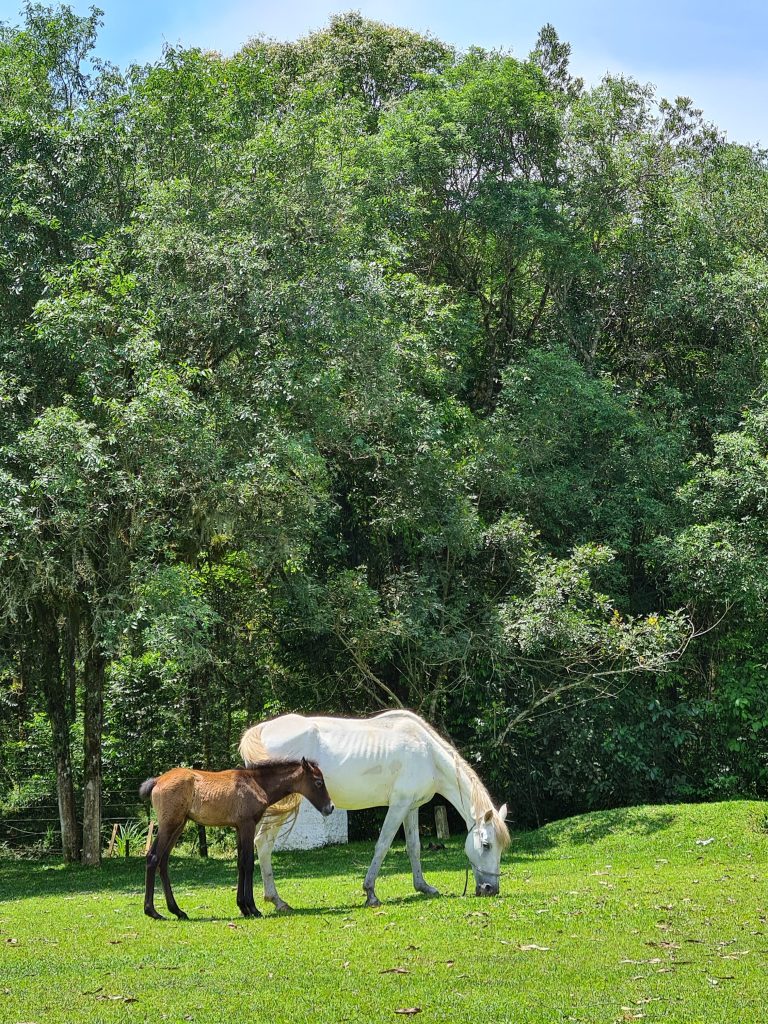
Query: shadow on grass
[[592, 828], [21, 879], [323, 910]]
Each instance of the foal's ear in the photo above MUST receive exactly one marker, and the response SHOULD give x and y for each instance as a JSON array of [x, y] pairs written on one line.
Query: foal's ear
[[305, 765]]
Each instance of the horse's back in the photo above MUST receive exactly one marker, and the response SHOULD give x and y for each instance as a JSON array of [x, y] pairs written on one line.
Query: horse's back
[[364, 761]]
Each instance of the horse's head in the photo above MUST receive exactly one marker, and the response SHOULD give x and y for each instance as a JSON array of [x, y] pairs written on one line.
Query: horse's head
[[486, 841], [312, 786]]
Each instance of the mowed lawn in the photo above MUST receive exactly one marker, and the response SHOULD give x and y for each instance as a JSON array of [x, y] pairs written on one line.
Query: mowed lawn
[[615, 916]]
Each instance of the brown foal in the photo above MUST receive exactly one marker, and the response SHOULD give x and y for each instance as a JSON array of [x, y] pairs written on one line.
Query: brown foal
[[237, 798]]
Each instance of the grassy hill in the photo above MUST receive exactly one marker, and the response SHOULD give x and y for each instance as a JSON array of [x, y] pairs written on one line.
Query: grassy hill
[[647, 913]]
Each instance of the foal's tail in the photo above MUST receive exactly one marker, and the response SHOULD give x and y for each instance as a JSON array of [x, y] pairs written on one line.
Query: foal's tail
[[145, 789], [252, 750]]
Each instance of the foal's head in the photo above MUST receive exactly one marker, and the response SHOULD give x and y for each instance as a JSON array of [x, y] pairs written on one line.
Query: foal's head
[[312, 785]]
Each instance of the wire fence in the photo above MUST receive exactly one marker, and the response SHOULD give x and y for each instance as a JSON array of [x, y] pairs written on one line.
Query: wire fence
[[33, 827]]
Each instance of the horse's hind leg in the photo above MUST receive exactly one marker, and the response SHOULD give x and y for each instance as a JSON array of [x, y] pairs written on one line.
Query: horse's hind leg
[[413, 846], [168, 841], [149, 888]]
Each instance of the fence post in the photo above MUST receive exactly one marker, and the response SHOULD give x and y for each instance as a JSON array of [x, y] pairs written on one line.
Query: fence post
[[441, 822], [111, 847], [202, 838]]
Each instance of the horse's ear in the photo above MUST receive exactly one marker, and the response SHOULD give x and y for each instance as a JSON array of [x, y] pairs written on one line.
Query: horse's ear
[[305, 764], [488, 815], [503, 812]]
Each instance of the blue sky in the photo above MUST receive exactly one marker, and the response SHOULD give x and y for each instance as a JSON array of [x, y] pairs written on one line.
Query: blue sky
[[712, 51]]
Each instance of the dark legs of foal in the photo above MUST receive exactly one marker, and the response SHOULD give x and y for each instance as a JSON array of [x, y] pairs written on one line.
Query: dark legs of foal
[[158, 858], [245, 862]]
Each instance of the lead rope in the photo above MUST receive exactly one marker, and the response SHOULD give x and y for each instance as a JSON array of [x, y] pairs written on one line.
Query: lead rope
[[466, 874]]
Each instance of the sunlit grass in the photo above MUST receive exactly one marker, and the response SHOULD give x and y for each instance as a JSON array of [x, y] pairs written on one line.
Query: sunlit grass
[[620, 915]]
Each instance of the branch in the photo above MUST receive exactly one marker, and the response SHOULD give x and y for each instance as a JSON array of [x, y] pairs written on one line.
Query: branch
[[589, 677]]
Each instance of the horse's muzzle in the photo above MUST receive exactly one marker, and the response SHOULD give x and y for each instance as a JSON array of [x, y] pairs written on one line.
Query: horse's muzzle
[[486, 889], [328, 809]]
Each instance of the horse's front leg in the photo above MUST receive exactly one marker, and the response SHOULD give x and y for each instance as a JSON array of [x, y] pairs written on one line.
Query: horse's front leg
[[413, 846], [242, 875], [264, 842], [245, 860], [392, 823]]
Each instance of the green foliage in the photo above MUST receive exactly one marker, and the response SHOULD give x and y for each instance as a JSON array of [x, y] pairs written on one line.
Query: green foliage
[[131, 838], [356, 371]]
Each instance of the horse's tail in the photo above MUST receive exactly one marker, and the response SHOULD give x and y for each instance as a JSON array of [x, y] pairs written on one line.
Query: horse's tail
[[252, 751], [145, 789]]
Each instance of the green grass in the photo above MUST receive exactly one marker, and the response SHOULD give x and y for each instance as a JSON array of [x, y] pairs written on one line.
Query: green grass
[[637, 921]]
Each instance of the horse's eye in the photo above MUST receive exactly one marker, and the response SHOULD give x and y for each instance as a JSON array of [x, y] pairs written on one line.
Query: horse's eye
[[486, 846], [319, 783]]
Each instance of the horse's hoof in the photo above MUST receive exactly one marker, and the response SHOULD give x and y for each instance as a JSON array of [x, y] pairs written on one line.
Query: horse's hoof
[[283, 908], [181, 915], [373, 900], [255, 912], [430, 890], [151, 912]]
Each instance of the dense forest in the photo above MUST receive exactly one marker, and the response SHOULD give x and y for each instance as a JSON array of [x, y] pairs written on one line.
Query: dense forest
[[358, 372]]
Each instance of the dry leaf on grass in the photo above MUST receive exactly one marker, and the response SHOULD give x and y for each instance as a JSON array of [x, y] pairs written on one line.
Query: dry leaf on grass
[[409, 1011]]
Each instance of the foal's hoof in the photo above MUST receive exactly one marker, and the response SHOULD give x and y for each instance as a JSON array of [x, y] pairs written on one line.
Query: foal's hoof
[[247, 911], [181, 915], [151, 912]]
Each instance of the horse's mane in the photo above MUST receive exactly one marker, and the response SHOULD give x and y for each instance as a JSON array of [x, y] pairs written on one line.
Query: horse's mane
[[479, 795], [285, 811]]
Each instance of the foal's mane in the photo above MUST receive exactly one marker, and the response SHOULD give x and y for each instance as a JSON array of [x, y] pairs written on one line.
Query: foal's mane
[[274, 763]]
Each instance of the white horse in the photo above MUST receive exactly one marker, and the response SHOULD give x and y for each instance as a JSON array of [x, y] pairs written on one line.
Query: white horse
[[394, 759]]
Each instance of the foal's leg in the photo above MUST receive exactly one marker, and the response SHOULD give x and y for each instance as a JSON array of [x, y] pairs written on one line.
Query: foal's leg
[[245, 859], [163, 856], [149, 887], [242, 900], [264, 842], [392, 823], [413, 846]]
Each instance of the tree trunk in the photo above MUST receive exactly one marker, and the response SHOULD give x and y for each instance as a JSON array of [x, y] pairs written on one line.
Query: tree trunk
[[54, 690], [93, 722], [70, 648]]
